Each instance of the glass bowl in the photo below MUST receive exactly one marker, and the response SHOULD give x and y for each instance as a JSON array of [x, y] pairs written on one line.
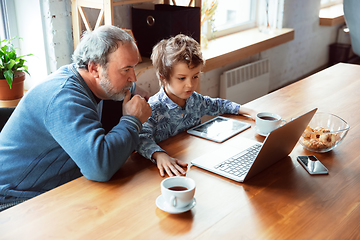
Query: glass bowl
[[324, 132]]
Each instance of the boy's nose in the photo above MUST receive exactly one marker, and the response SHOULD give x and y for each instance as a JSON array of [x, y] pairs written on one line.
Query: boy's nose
[[189, 83]]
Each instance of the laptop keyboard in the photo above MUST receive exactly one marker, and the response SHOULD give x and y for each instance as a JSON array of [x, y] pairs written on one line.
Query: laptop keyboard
[[240, 163]]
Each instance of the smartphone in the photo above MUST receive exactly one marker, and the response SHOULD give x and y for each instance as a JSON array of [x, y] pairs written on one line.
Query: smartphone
[[312, 165]]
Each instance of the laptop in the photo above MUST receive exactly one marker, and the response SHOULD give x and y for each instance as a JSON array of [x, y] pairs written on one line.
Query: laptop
[[277, 145]]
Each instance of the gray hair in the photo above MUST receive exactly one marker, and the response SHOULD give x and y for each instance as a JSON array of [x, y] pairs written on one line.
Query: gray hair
[[95, 46]]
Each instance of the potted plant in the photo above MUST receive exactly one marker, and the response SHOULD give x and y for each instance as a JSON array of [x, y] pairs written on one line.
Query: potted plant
[[12, 71]]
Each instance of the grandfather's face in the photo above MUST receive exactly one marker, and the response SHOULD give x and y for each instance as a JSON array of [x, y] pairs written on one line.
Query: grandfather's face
[[119, 74], [110, 92]]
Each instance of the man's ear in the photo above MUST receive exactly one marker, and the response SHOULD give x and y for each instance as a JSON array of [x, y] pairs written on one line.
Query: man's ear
[[94, 69]]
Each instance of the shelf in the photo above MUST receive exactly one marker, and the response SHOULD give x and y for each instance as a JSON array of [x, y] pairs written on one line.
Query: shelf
[[9, 103], [106, 14], [234, 47], [331, 16]]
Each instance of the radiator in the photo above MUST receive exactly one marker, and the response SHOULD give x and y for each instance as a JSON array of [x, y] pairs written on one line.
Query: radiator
[[245, 83]]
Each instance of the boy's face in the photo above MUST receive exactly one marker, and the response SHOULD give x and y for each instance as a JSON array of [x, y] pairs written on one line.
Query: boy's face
[[182, 83]]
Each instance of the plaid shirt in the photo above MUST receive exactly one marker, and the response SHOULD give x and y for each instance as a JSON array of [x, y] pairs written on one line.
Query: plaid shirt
[[168, 118]]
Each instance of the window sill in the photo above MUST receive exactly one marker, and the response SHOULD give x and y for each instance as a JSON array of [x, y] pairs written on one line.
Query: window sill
[[331, 16], [9, 103], [234, 47]]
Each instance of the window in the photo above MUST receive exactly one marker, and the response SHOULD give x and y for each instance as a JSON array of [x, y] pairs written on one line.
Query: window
[[4, 29], [8, 28], [329, 3], [27, 12], [228, 16], [224, 17]]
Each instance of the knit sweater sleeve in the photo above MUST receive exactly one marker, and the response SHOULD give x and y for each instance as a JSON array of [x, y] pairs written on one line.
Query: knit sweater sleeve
[[148, 146], [73, 121], [215, 106]]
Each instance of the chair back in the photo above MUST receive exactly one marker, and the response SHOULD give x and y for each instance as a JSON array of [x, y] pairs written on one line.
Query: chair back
[[352, 18], [5, 113]]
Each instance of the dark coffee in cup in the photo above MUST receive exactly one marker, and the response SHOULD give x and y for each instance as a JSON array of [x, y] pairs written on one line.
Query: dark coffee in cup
[[178, 188], [178, 192], [267, 121], [268, 118]]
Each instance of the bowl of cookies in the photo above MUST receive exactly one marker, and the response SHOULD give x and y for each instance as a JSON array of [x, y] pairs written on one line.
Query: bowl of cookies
[[324, 132]]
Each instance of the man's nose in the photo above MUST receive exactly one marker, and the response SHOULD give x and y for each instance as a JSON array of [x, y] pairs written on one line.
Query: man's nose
[[132, 75]]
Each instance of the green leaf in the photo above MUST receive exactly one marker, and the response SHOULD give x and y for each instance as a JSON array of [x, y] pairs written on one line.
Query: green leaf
[[2, 52], [21, 63], [9, 77], [10, 64], [26, 70], [12, 54], [4, 48], [30, 54]]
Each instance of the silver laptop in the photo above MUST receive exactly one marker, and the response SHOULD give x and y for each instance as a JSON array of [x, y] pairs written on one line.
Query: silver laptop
[[236, 162]]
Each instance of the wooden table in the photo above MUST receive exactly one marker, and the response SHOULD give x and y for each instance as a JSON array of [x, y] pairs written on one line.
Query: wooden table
[[282, 202]]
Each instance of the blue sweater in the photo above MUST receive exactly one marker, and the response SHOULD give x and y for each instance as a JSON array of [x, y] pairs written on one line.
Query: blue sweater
[[55, 135]]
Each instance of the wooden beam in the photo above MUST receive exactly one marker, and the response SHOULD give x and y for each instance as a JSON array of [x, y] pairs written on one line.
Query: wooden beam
[[108, 12], [76, 24], [100, 19], [84, 18]]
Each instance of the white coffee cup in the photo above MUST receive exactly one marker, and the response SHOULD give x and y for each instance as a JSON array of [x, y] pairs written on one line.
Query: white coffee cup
[[178, 192], [267, 122]]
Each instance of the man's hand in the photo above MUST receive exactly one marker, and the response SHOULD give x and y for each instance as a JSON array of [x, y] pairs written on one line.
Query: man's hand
[[142, 92], [137, 107]]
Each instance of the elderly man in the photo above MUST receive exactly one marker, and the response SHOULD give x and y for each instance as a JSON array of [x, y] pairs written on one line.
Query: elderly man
[[56, 133]]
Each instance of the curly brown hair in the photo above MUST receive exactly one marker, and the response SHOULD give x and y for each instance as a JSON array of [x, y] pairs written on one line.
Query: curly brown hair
[[169, 52]]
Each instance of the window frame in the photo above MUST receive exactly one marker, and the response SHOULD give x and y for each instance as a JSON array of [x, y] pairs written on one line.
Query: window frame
[[4, 33], [206, 30], [8, 21]]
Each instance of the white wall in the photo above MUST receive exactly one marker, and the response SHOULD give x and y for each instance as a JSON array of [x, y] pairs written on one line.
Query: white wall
[[45, 27], [310, 48], [28, 27], [289, 62], [57, 29]]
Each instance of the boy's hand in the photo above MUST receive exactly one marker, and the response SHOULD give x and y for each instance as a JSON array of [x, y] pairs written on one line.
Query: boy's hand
[[247, 111], [168, 165]]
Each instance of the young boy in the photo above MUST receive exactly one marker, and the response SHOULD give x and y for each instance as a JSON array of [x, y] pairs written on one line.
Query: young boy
[[177, 107]]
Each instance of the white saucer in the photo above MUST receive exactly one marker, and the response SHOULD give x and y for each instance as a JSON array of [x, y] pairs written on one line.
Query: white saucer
[[160, 203], [260, 133]]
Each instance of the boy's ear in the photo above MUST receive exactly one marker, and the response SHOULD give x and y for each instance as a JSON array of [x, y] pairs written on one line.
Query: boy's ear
[[94, 69], [162, 80]]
